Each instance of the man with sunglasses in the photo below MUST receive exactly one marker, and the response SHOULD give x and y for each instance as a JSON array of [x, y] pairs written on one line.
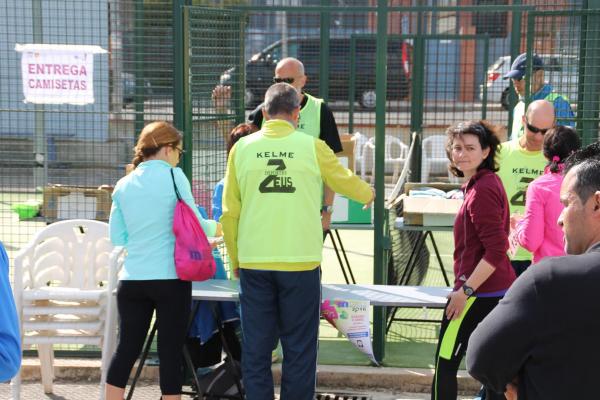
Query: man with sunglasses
[[520, 161], [540, 90], [316, 120]]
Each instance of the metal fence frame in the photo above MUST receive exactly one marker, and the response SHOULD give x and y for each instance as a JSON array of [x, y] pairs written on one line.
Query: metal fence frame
[[184, 116]]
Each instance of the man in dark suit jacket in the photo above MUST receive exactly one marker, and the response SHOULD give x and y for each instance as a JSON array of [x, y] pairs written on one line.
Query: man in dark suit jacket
[[541, 341]]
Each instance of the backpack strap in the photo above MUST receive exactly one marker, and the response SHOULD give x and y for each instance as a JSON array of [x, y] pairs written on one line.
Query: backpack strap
[[175, 186]]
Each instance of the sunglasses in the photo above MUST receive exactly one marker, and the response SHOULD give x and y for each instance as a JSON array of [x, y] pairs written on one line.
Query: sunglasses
[[285, 80], [535, 129]]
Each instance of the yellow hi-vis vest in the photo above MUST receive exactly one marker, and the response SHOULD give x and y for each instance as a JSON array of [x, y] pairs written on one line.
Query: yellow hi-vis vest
[[280, 189], [309, 121]]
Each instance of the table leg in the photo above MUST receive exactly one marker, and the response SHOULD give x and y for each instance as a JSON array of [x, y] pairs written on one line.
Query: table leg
[[232, 369], [337, 234], [337, 253], [439, 258], [412, 260], [410, 265], [188, 358]]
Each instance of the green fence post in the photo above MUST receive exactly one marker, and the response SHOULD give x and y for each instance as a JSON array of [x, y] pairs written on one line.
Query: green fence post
[[486, 51], [40, 142], [352, 84], [591, 103], [529, 52], [417, 98], [240, 84], [515, 50], [379, 267], [139, 95], [180, 55], [581, 73], [324, 52]]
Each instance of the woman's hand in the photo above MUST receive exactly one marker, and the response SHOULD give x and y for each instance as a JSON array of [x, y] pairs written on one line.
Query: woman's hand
[[458, 300], [514, 220], [219, 231]]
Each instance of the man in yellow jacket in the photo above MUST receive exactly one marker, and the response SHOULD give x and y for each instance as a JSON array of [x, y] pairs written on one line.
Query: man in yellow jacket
[[271, 222]]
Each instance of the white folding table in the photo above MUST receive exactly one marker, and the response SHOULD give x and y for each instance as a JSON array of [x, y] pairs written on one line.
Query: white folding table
[[377, 295]]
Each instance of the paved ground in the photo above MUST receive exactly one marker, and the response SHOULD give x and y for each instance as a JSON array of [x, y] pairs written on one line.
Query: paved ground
[[90, 390]]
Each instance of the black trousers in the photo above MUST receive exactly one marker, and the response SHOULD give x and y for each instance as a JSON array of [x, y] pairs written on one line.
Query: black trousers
[[136, 301], [452, 346]]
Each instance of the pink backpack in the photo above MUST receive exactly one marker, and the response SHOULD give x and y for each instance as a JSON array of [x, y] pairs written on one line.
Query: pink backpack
[[193, 254]]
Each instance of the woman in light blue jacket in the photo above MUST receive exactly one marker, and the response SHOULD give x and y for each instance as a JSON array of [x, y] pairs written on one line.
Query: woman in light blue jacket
[[10, 338], [141, 219]]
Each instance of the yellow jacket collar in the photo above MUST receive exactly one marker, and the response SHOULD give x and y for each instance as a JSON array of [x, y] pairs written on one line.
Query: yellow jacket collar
[[277, 128]]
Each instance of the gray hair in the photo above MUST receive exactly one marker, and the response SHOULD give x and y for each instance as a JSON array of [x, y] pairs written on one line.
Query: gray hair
[[587, 162], [281, 98]]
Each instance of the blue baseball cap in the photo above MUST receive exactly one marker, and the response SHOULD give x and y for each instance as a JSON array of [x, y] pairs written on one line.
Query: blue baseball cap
[[518, 67]]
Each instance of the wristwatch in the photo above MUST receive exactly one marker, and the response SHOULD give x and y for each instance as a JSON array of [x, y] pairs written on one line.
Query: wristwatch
[[468, 290], [327, 209]]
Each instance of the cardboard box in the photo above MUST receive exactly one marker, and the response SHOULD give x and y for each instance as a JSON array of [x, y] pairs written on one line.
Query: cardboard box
[[75, 202], [430, 211], [347, 152]]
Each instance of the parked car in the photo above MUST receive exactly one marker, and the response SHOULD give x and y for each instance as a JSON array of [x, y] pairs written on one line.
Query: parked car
[[128, 82], [261, 66], [561, 71]]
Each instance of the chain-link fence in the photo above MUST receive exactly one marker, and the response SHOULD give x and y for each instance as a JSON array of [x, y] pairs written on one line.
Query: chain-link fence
[[445, 63]]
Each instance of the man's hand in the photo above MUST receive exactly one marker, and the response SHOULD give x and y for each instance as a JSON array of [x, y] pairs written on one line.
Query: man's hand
[[370, 203], [221, 95], [511, 392], [325, 220], [458, 300]]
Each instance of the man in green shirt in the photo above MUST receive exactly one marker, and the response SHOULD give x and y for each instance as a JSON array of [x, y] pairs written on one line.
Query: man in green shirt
[[540, 90], [272, 229], [521, 161]]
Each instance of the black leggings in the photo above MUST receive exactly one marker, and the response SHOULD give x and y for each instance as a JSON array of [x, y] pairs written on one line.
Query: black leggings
[[452, 346], [136, 301]]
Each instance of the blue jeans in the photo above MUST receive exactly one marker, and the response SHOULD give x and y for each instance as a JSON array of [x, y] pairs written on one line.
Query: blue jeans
[[286, 306]]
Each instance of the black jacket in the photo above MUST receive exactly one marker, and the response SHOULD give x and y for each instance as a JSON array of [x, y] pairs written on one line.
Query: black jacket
[[546, 332]]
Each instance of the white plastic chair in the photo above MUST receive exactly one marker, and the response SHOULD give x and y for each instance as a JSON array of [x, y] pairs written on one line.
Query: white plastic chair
[[359, 155], [110, 326], [434, 158], [395, 153], [60, 290]]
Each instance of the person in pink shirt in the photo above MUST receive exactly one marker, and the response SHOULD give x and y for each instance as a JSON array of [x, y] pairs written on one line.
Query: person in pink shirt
[[537, 230]]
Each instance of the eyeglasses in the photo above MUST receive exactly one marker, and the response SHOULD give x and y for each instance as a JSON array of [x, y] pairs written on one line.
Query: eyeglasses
[[286, 80], [535, 129], [179, 150]]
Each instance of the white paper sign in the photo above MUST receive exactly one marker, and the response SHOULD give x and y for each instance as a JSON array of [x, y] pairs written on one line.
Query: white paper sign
[[58, 74], [352, 319]]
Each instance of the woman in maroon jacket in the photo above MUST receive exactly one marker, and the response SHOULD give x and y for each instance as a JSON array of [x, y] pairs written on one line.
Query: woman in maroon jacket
[[482, 269]]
